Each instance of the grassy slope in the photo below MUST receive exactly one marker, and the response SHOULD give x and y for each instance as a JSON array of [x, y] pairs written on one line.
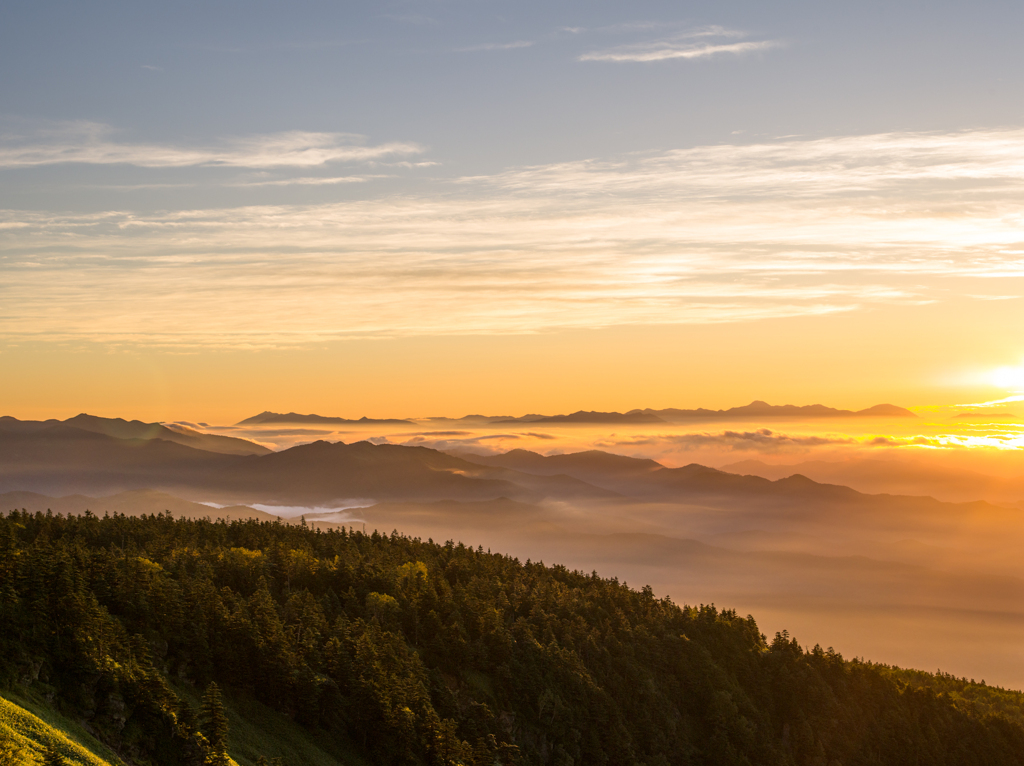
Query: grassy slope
[[254, 730], [34, 725]]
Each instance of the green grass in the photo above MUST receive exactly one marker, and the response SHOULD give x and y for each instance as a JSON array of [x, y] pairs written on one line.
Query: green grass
[[33, 726], [254, 730]]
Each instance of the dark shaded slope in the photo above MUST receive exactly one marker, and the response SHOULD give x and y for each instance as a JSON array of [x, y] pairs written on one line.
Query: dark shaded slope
[[136, 429], [649, 480], [801, 495], [617, 473], [60, 460]]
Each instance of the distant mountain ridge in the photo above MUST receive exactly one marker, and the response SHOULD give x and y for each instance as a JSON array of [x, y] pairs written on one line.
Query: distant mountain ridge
[[119, 428], [759, 409], [293, 417], [584, 417], [754, 410], [64, 460]]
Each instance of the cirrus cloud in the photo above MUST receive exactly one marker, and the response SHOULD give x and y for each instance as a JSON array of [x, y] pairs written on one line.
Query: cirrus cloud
[[691, 44], [94, 144], [725, 233]]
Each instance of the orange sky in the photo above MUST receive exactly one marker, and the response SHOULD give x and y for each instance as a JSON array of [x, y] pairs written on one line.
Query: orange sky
[[934, 354]]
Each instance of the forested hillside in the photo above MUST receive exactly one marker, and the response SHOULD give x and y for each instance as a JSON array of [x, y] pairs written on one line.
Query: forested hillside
[[409, 652]]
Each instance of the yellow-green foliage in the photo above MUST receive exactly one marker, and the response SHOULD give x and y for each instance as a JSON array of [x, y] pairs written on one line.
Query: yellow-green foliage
[[24, 731], [978, 699]]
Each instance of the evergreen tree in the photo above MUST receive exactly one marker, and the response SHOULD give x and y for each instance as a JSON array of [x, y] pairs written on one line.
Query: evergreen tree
[[187, 718], [416, 649], [215, 726]]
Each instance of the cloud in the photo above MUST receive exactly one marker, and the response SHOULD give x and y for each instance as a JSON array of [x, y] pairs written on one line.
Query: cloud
[[669, 49], [725, 233], [891, 441], [685, 44], [761, 440], [309, 181], [496, 46], [766, 441], [93, 144], [465, 441], [996, 403]]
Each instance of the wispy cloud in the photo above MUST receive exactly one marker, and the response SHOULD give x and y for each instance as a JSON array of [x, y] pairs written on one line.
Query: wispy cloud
[[95, 144], [465, 441], [691, 44], [996, 403], [708, 234], [663, 51], [496, 46], [309, 181]]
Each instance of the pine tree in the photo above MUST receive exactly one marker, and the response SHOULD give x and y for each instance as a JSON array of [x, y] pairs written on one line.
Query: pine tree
[[483, 751], [215, 726]]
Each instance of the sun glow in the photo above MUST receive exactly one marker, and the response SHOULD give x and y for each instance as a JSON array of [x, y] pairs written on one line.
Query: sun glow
[[1009, 378]]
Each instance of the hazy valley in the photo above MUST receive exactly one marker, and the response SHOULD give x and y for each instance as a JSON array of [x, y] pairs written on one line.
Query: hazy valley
[[899, 578]]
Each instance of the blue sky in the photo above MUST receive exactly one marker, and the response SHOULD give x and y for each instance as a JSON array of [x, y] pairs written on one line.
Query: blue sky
[[482, 86]]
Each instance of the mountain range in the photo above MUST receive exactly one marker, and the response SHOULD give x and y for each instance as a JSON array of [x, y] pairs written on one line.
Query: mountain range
[[92, 456], [807, 554], [753, 411], [268, 418], [119, 428]]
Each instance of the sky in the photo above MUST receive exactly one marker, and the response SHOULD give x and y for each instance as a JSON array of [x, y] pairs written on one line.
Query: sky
[[436, 208]]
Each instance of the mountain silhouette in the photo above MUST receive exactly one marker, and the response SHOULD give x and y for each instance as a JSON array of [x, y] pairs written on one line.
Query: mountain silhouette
[[759, 409], [136, 429], [266, 418], [590, 418]]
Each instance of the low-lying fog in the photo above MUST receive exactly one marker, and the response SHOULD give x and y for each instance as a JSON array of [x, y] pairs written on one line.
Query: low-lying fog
[[917, 587], [904, 588], [940, 455], [914, 582]]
